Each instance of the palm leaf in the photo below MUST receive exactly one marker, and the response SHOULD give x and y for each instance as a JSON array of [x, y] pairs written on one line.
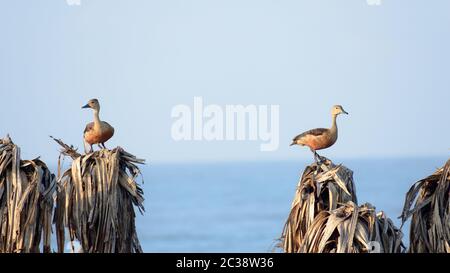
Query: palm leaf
[[96, 201], [321, 188], [352, 229], [325, 217], [26, 202], [428, 204]]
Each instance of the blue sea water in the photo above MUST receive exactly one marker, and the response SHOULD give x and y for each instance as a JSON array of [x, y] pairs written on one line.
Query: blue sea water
[[242, 206]]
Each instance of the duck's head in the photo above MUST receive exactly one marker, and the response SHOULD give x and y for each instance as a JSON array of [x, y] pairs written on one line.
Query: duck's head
[[337, 110], [93, 104]]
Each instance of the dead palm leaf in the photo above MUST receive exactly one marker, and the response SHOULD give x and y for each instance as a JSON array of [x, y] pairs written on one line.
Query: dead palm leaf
[[352, 229], [428, 203], [26, 202], [321, 188], [96, 199]]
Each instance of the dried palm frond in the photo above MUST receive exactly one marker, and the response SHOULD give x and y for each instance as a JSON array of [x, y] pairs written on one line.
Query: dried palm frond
[[429, 205], [352, 229], [96, 199], [321, 188], [26, 202]]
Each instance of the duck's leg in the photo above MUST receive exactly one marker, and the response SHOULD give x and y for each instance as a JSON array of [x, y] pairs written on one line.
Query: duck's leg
[[103, 145], [318, 158], [321, 159], [315, 156], [318, 163]]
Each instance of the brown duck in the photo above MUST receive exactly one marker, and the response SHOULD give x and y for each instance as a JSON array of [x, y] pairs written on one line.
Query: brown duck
[[97, 132], [320, 138]]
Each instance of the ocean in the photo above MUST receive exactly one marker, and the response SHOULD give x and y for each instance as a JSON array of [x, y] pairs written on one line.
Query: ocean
[[242, 206]]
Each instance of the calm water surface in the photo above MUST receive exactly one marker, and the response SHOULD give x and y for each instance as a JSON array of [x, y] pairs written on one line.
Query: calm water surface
[[242, 207]]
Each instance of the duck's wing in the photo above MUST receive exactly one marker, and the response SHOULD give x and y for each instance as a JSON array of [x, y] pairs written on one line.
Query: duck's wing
[[88, 128], [108, 127], [313, 132], [104, 122]]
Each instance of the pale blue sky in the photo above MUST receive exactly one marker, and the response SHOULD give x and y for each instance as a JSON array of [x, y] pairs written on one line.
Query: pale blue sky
[[387, 65]]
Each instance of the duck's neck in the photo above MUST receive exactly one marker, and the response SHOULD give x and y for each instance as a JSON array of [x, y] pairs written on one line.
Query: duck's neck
[[97, 117], [334, 124]]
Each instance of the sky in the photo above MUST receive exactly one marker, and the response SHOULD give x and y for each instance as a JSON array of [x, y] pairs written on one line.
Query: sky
[[386, 64]]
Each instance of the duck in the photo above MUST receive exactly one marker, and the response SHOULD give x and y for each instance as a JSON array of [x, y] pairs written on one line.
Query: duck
[[321, 138], [98, 131]]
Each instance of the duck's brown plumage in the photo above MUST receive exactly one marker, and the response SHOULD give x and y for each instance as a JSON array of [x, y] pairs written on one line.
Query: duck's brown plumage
[[97, 132], [96, 136], [314, 132], [320, 138], [316, 139]]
